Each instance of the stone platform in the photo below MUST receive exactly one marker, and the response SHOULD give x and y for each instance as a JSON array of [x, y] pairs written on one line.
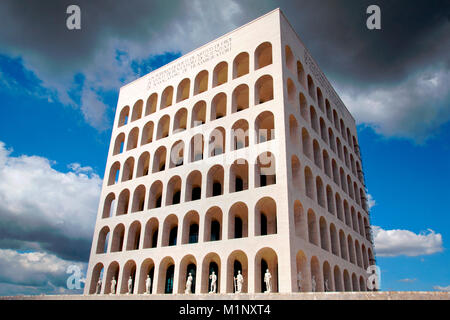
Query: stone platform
[[381, 295]]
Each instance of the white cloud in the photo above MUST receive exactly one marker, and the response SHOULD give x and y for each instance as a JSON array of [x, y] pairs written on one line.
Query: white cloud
[[370, 201], [34, 273], [408, 280], [397, 242], [414, 108], [45, 209], [440, 288]]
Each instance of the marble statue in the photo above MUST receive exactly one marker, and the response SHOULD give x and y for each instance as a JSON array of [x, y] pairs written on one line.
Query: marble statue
[[113, 285], [267, 278], [327, 287], [213, 278], [130, 285], [189, 284], [239, 281], [99, 286], [148, 284], [299, 280], [313, 283]]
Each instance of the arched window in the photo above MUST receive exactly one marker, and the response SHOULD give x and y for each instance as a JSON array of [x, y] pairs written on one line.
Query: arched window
[[311, 88], [137, 110], [263, 55], [241, 65], [128, 167], [147, 133], [114, 173], [155, 195], [239, 176], [124, 115], [159, 160], [264, 127], [219, 106], [138, 199], [214, 183], [265, 170], [166, 97], [290, 61], [177, 154], [217, 142], [151, 104], [239, 135], [163, 127], [193, 186], [173, 194], [119, 143], [263, 89], [183, 89], [312, 228], [301, 75], [133, 139], [291, 91], [201, 82], [265, 217], [180, 120], [143, 165], [198, 114], [196, 147], [309, 183], [240, 98], [220, 74], [306, 143]]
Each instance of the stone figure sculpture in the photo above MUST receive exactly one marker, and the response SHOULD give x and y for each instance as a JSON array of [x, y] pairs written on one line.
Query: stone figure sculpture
[[299, 280], [189, 284], [148, 284], [313, 283], [130, 285], [99, 286], [113, 285], [213, 278], [267, 280], [327, 288], [239, 280]]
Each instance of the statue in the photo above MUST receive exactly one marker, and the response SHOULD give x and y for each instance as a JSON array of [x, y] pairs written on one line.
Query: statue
[[267, 277], [327, 288], [299, 281], [113, 285], [148, 284], [239, 280], [99, 286], [189, 284], [130, 285], [213, 278], [313, 283]]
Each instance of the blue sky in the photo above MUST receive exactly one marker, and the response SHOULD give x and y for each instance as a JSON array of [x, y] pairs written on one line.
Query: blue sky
[[57, 109]]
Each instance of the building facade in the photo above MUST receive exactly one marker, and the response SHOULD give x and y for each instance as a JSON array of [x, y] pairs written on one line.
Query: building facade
[[238, 156]]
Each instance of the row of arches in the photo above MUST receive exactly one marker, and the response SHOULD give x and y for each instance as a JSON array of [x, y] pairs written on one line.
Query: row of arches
[[331, 169], [169, 276], [220, 75], [317, 231], [295, 66], [194, 228], [327, 136], [263, 128], [333, 202], [312, 275]]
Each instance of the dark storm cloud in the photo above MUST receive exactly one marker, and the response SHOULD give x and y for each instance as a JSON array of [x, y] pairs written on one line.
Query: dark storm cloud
[[413, 34], [38, 28]]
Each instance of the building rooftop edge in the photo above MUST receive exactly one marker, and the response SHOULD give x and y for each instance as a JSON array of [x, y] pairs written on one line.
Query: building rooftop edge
[[202, 46]]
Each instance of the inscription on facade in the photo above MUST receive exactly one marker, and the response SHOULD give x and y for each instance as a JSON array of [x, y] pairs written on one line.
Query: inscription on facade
[[320, 78], [191, 62]]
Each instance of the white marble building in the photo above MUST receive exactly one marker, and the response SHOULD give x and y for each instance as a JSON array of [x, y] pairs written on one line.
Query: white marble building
[[238, 156]]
